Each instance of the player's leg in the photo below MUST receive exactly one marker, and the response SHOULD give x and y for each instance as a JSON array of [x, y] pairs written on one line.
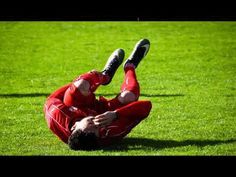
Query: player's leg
[[81, 91], [113, 62], [129, 116], [130, 90]]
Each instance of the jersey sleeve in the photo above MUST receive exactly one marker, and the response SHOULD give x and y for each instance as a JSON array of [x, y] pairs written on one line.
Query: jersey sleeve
[[135, 110]]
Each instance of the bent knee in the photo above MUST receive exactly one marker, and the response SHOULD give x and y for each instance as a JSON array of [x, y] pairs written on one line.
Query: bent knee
[[83, 86], [127, 97]]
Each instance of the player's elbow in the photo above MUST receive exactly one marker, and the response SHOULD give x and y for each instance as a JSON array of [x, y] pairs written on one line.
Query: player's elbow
[[148, 107]]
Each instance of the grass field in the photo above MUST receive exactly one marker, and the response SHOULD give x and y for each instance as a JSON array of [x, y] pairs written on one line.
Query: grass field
[[189, 75]]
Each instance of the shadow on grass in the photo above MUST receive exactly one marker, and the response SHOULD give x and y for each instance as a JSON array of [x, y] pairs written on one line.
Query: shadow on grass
[[144, 94], [144, 143], [22, 95]]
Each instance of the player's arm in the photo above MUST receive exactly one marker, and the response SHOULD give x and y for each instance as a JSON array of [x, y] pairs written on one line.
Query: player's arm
[[105, 119], [135, 110]]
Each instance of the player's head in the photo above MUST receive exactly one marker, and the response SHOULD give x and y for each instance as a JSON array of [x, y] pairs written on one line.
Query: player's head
[[80, 140], [84, 135]]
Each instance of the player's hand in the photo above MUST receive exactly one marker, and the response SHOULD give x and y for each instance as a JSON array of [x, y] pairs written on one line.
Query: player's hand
[[105, 119]]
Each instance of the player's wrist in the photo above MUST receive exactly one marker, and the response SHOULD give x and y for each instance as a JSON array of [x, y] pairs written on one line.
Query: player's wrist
[[115, 115]]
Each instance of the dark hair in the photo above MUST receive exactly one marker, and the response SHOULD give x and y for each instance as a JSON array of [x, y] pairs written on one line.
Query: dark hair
[[80, 140]]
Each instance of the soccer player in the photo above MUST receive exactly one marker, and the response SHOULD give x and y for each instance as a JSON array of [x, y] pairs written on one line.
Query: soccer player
[[85, 123]]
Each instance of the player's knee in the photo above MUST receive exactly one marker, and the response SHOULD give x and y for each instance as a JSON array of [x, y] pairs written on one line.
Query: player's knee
[[83, 86], [127, 97]]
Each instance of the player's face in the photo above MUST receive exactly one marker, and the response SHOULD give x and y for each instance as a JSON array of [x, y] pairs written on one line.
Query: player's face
[[86, 125]]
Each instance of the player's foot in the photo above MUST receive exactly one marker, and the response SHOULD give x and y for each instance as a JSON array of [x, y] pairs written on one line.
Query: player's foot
[[113, 62], [139, 52]]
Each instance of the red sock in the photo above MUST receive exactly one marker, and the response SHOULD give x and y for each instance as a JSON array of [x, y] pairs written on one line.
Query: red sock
[[130, 82]]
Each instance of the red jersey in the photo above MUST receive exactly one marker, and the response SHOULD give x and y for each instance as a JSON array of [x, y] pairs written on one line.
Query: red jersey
[[60, 118]]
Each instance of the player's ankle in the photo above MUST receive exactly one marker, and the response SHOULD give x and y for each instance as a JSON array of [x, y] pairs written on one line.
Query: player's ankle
[[106, 79], [129, 66]]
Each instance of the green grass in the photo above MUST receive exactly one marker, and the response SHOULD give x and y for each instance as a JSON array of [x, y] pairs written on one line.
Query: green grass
[[189, 75]]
